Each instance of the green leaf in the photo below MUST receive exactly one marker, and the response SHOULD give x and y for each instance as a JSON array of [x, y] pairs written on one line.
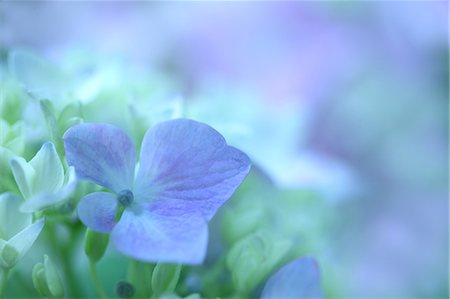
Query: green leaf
[[69, 116], [165, 278]]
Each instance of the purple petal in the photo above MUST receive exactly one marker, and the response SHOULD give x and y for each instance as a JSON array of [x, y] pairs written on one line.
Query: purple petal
[[102, 154], [98, 210], [298, 279], [187, 160], [162, 231]]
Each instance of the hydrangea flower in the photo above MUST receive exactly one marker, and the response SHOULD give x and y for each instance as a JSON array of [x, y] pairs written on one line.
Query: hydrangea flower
[[42, 181], [298, 279], [160, 212], [17, 232]]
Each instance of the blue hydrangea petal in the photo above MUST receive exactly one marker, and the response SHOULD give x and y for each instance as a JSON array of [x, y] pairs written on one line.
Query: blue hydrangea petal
[[162, 231], [187, 160], [98, 210], [102, 154], [298, 279]]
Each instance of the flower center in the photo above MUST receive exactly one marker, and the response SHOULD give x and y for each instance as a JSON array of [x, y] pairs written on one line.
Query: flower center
[[125, 197]]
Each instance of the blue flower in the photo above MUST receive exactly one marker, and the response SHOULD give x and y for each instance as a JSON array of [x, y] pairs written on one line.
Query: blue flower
[[160, 214], [298, 279]]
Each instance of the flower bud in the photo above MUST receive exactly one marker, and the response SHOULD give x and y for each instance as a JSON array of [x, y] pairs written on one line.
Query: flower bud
[[124, 289], [46, 279], [8, 255], [95, 245], [39, 280]]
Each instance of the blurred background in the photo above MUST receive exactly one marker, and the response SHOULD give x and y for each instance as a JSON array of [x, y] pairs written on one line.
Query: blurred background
[[349, 99]]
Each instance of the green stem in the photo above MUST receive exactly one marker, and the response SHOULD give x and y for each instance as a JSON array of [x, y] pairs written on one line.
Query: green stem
[[3, 279], [98, 286], [73, 288]]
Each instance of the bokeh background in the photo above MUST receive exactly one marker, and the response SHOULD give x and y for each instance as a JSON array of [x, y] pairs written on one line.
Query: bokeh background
[[349, 99]]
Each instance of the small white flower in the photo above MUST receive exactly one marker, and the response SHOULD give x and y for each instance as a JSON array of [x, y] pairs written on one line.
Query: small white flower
[[41, 180]]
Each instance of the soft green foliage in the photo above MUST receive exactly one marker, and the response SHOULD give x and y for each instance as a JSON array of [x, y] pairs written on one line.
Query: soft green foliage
[[13, 100], [12, 136], [40, 77]]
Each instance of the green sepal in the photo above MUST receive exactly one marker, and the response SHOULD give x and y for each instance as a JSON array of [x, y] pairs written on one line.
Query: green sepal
[[46, 279], [54, 282], [39, 280], [119, 211], [165, 278]]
